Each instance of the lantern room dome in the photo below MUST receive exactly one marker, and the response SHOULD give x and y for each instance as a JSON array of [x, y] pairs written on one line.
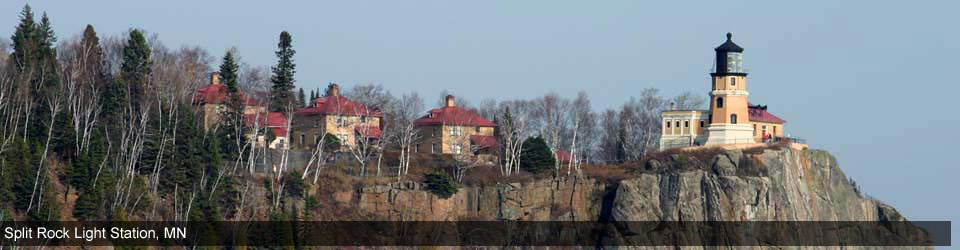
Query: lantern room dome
[[729, 46]]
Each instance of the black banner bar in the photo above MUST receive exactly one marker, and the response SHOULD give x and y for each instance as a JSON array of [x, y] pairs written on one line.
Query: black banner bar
[[476, 233]]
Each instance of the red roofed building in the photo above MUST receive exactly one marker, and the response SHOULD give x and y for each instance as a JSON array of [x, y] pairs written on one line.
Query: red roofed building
[[261, 123], [212, 100], [454, 130], [348, 120]]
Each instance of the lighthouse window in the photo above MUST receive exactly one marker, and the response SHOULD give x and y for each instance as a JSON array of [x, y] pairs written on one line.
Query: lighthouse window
[[733, 119], [719, 102], [668, 123], [733, 81], [686, 124]]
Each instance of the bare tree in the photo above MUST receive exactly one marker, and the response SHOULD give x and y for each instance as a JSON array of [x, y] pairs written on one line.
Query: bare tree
[[462, 101], [513, 128], [403, 114], [610, 149], [582, 120], [688, 101], [488, 108], [550, 112], [374, 98], [640, 124]]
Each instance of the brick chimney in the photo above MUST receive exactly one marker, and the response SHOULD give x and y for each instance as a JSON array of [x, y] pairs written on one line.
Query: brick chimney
[[333, 89], [215, 78], [449, 101]]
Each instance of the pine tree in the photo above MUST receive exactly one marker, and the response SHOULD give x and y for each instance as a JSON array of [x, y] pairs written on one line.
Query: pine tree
[[35, 69], [536, 156], [93, 71], [135, 69], [301, 98], [233, 131], [282, 90]]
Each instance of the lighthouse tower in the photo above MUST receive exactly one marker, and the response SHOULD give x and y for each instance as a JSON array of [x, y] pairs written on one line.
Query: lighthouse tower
[[729, 117]]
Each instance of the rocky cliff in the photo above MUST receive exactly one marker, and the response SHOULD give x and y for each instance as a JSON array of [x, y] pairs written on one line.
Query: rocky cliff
[[778, 184]]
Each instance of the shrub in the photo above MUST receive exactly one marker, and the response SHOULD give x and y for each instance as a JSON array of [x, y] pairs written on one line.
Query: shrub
[[536, 156], [312, 203], [440, 183]]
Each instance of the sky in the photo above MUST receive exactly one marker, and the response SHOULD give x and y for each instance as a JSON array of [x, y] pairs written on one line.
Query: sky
[[873, 82]]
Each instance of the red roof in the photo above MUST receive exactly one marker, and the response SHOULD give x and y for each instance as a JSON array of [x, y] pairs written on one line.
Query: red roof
[[484, 141], [564, 157], [279, 132], [369, 131], [217, 94], [454, 115], [761, 115], [338, 105], [272, 119]]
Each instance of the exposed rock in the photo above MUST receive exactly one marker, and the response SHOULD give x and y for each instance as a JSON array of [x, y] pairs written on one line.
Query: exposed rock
[[772, 185]]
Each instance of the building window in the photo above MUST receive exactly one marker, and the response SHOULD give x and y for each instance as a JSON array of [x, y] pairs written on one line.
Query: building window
[[719, 102], [686, 124], [456, 148], [774, 130], [733, 81], [363, 119], [668, 123], [764, 130], [703, 123], [316, 123], [303, 139], [456, 131], [416, 148], [754, 129], [477, 130], [678, 123], [733, 118], [433, 148]]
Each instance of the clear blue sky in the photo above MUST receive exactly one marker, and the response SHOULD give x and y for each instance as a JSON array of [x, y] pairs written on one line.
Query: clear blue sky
[[873, 82]]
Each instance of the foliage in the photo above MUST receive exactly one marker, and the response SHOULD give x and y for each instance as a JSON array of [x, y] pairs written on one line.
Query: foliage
[[536, 156], [294, 184], [233, 132], [136, 67], [440, 184], [283, 83]]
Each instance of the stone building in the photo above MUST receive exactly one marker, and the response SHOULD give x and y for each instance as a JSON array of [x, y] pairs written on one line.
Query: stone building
[[212, 100], [339, 116], [454, 130], [731, 118]]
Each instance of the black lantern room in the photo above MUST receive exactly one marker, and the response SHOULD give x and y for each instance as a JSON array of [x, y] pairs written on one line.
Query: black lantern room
[[729, 59]]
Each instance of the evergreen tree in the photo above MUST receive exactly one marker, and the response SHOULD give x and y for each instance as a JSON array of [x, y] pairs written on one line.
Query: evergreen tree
[[82, 176], [93, 72], [35, 69], [282, 90], [135, 69], [301, 99], [184, 172], [536, 156], [233, 132]]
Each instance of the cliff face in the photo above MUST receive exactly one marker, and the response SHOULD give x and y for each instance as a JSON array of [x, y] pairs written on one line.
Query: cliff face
[[772, 185], [775, 185], [759, 185]]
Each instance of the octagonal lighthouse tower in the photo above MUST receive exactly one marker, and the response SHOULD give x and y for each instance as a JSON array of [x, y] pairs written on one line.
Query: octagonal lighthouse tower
[[729, 118]]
